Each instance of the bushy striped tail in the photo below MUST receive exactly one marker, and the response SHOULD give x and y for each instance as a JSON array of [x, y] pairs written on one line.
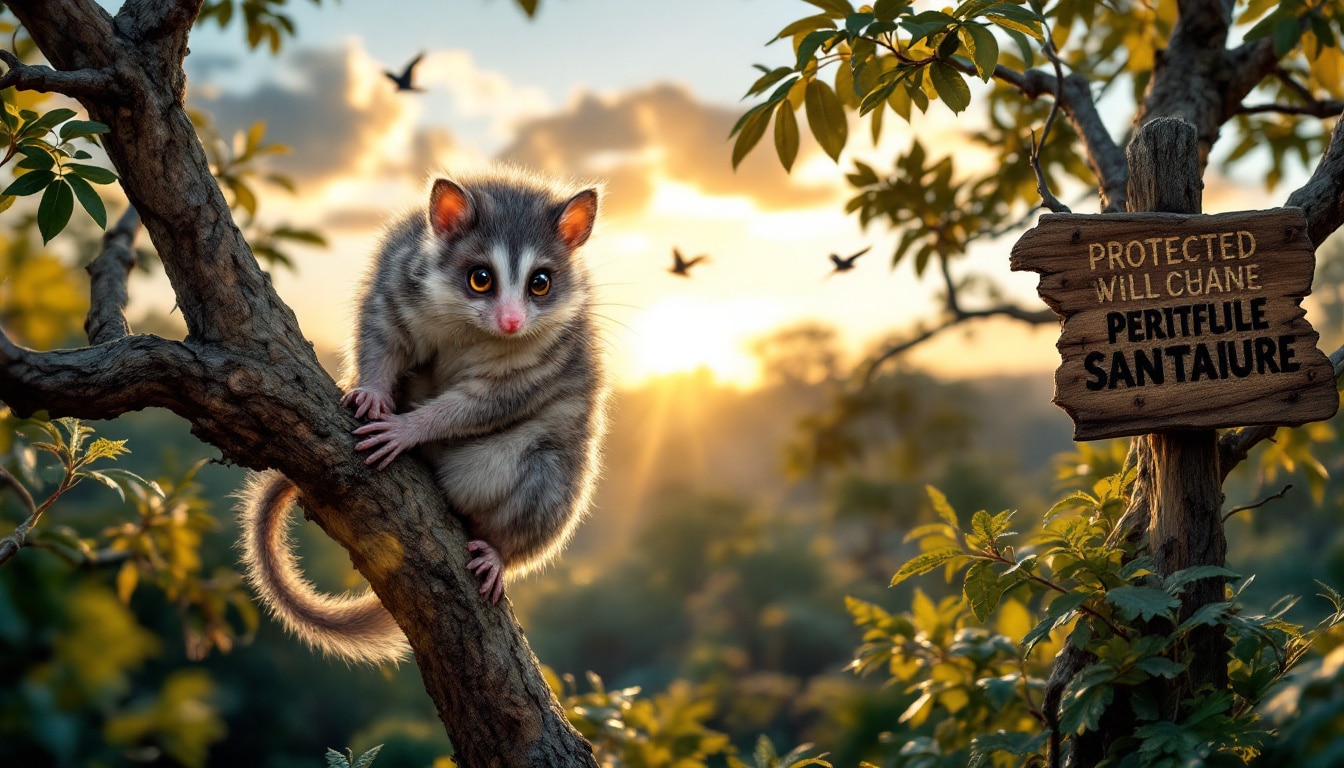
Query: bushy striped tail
[[356, 628]]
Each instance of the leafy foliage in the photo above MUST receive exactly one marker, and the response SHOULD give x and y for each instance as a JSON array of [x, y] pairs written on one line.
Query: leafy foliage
[[46, 143], [161, 546], [1070, 584]]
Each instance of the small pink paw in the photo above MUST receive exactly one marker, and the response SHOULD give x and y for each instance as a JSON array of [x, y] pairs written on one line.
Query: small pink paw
[[374, 403], [388, 438], [488, 565]]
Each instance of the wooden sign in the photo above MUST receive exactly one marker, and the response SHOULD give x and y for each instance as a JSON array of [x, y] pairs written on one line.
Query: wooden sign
[[1175, 321]]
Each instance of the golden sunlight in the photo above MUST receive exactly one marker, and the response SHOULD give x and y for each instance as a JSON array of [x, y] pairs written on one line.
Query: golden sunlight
[[683, 334]]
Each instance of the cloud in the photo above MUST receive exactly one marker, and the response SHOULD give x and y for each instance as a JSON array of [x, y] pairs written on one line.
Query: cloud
[[660, 132], [334, 110]]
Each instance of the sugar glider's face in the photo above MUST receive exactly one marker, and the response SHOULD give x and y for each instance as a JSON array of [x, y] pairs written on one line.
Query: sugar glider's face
[[507, 254]]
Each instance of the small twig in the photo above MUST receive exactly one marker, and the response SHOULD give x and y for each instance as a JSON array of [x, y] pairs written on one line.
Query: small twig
[[1315, 108], [23, 494], [956, 318], [1260, 503], [1048, 198]]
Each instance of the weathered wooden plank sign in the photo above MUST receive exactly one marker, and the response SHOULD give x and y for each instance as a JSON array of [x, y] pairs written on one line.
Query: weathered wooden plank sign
[[1175, 321]]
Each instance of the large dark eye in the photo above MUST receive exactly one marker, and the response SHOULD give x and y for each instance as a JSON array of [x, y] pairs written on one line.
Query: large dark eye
[[540, 284], [480, 280]]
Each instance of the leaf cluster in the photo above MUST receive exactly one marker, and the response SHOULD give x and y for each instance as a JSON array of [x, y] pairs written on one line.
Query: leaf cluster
[[160, 545], [263, 20], [627, 731], [1067, 583], [45, 141]]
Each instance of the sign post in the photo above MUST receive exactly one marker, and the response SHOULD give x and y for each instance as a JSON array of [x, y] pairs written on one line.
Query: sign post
[[1175, 324]]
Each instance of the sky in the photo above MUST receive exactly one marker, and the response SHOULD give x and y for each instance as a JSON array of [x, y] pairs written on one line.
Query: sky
[[639, 95]]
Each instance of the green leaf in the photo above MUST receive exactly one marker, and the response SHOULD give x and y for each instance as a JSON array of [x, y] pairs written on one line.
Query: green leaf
[[1017, 743], [92, 173], [786, 134], [984, 588], [983, 47], [128, 479], [888, 10], [88, 197], [77, 128], [102, 448], [127, 578], [1160, 666], [1287, 34], [926, 562], [814, 40], [807, 24], [1073, 500], [1178, 581], [366, 759], [36, 159], [752, 129], [1081, 709], [1146, 603], [53, 213], [941, 507], [835, 8], [100, 477], [1014, 17], [826, 118], [1211, 614], [30, 183], [768, 79], [1057, 615], [49, 120], [951, 88]]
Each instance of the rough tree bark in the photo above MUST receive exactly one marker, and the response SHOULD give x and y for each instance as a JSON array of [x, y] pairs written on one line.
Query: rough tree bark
[[249, 383]]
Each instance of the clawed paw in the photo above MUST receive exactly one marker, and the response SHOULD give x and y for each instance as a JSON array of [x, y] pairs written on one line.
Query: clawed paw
[[375, 404], [489, 566], [388, 438]]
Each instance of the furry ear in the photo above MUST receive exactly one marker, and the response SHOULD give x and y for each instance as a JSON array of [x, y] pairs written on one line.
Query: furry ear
[[576, 218], [451, 209]]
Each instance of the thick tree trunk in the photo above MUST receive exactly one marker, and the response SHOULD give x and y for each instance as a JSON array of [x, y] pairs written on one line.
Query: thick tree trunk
[[249, 383]]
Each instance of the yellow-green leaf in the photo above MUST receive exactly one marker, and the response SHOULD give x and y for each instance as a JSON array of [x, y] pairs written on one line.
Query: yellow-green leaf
[[127, 579], [950, 87], [826, 118], [786, 135]]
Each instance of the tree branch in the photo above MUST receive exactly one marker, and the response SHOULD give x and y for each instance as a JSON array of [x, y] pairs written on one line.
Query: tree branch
[[23, 494], [1329, 108], [955, 318], [129, 374], [1260, 503], [1322, 197], [1235, 446], [1074, 96], [108, 273], [90, 83]]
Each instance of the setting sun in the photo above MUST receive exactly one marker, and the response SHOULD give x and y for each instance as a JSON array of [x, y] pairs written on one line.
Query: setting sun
[[683, 334]]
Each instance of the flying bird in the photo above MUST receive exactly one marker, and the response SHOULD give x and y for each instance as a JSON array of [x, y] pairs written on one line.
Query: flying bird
[[847, 263], [682, 266], [403, 80]]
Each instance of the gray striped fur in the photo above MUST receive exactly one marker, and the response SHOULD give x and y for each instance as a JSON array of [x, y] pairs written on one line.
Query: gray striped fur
[[515, 420]]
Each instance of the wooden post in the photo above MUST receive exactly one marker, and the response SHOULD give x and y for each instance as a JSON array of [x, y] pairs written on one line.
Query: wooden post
[[1185, 495]]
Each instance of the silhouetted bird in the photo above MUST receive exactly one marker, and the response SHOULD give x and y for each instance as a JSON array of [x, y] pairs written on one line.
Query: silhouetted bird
[[403, 80], [847, 263], [681, 266]]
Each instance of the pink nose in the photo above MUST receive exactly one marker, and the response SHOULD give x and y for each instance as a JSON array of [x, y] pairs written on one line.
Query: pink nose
[[510, 323]]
